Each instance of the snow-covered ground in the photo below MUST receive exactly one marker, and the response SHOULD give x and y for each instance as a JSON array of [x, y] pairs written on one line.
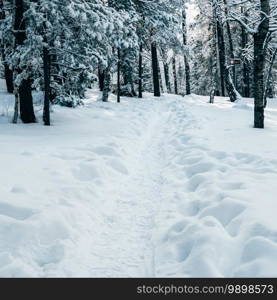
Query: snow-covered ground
[[154, 187]]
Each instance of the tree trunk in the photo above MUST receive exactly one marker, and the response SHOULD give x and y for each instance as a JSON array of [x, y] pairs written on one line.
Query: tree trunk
[[8, 78], [212, 94], [16, 104], [166, 70], [230, 40], [160, 78], [214, 56], [46, 70], [221, 54], [27, 114], [140, 71], [259, 64], [187, 67], [106, 87], [118, 75], [175, 75], [246, 80], [155, 70], [166, 76], [101, 78], [226, 79], [245, 66], [26, 102], [187, 71]]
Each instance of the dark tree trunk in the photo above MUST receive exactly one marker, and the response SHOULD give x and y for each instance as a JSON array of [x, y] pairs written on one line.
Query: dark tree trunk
[[212, 94], [221, 54], [155, 70], [214, 57], [230, 40], [226, 79], [231, 90], [26, 102], [231, 49], [46, 69], [16, 104], [107, 82], [8, 73], [166, 70], [175, 75], [246, 80], [187, 71], [187, 67], [27, 114], [160, 78], [166, 76], [259, 64], [101, 77], [245, 66], [8, 78], [118, 75], [140, 71]]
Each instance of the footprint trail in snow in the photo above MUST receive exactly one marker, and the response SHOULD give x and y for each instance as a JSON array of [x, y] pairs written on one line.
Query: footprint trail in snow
[[134, 190]]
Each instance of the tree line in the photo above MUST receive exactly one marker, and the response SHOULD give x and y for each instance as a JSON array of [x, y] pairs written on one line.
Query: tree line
[[130, 46]]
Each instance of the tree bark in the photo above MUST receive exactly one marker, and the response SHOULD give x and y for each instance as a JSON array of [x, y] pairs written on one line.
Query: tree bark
[[166, 76], [245, 66], [175, 75], [155, 70], [46, 70], [259, 64], [8, 78], [101, 78], [214, 57], [226, 80], [230, 41], [160, 78], [27, 114], [140, 71], [118, 75], [106, 87], [221, 54], [166, 70], [187, 67]]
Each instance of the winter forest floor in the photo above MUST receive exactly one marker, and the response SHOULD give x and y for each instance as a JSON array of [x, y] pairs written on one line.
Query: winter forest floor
[[155, 187]]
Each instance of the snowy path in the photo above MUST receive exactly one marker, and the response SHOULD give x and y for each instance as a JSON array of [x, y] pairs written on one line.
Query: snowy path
[[127, 244], [142, 188]]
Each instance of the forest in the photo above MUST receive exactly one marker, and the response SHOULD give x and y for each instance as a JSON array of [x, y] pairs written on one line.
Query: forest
[[158, 154], [63, 47]]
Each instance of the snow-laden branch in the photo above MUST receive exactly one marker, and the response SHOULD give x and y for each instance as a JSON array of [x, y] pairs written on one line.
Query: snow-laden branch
[[250, 30]]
